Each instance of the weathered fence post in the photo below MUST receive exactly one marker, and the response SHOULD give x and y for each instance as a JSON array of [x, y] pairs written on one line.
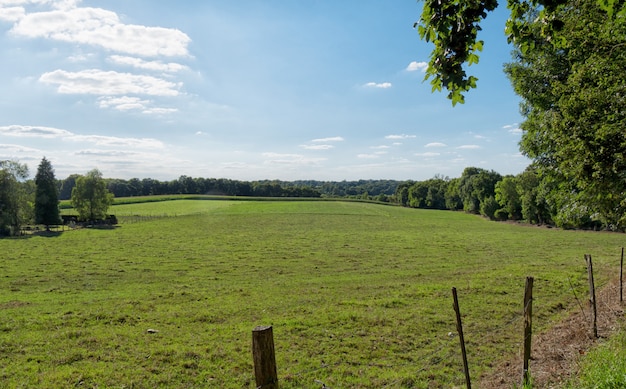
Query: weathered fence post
[[621, 280], [528, 320], [592, 295], [264, 358], [459, 328]]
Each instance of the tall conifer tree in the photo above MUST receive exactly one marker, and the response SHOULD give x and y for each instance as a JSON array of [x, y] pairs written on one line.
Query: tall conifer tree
[[46, 195]]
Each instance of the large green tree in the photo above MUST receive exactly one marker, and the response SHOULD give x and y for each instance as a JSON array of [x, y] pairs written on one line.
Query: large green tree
[[453, 26], [13, 202], [574, 96], [90, 196], [46, 195]]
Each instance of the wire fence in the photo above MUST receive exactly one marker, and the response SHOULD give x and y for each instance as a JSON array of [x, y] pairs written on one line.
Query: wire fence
[[445, 351]]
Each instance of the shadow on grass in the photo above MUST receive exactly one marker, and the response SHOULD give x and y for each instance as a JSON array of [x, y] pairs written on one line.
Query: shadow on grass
[[55, 232]]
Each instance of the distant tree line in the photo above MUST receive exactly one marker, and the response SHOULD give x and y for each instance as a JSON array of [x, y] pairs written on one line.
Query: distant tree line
[[381, 190]]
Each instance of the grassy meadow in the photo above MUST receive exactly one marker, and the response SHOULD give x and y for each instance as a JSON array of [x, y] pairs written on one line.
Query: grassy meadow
[[359, 295]]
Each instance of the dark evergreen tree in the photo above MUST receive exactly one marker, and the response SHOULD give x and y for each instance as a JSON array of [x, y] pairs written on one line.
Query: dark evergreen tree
[[46, 195]]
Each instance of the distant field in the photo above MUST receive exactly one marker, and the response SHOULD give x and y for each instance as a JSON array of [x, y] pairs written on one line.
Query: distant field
[[358, 294]]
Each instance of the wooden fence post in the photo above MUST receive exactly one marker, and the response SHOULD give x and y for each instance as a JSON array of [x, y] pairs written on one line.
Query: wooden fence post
[[621, 280], [528, 320], [264, 358], [459, 328], [592, 295]]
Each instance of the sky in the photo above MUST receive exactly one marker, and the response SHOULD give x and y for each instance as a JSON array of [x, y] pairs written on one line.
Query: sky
[[246, 90]]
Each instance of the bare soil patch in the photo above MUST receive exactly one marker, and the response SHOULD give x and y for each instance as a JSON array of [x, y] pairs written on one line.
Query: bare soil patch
[[555, 353]]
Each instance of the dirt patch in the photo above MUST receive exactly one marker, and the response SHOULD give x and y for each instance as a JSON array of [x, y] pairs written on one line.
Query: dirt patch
[[13, 304], [555, 353]]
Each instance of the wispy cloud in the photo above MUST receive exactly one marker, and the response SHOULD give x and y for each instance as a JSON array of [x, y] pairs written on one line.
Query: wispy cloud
[[98, 82], [159, 66], [114, 141], [513, 129], [435, 144], [331, 139], [100, 140], [401, 136], [290, 159], [368, 156], [15, 149], [317, 147], [417, 66], [381, 85], [428, 154], [468, 147]]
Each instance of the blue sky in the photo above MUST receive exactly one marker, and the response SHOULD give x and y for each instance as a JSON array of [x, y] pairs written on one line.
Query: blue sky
[[246, 89]]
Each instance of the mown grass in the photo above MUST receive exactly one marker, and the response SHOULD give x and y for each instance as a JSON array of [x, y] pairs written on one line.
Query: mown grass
[[358, 294]]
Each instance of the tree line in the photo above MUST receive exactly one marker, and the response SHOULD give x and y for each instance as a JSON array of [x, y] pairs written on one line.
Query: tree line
[[528, 196], [370, 189]]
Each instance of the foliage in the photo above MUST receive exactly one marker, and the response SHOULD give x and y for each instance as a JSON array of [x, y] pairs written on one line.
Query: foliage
[[453, 26], [46, 195], [508, 197], [488, 207], [573, 102], [358, 294], [90, 197], [13, 200], [476, 185]]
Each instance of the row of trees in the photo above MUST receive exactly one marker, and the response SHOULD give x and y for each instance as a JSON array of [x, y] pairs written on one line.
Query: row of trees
[[528, 196], [371, 189], [36, 201]]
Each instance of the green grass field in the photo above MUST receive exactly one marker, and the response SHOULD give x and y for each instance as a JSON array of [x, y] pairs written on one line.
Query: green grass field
[[359, 294]]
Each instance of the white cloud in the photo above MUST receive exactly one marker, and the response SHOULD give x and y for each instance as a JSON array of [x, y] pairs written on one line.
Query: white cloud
[[428, 154], [436, 144], [367, 156], [98, 82], [415, 66], [331, 139], [402, 136], [11, 148], [139, 63], [102, 28], [34, 132], [11, 14], [113, 141], [290, 159], [382, 85], [317, 147], [159, 111], [105, 153], [100, 140], [124, 103], [381, 147], [468, 147]]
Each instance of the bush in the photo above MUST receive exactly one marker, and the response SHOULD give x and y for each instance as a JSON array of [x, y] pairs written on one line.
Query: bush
[[502, 214], [489, 207]]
